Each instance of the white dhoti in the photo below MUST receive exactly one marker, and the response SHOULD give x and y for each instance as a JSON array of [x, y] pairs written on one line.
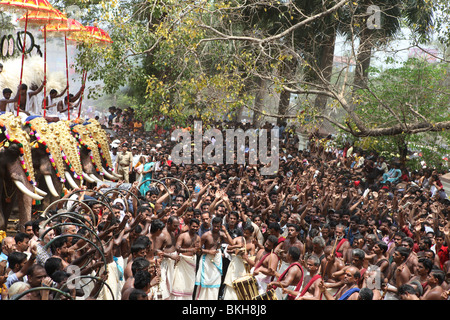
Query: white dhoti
[[262, 281], [184, 278], [114, 283], [236, 270], [209, 277], [167, 271]]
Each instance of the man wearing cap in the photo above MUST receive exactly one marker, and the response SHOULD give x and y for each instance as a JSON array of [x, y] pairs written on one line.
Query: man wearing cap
[[114, 148], [124, 163]]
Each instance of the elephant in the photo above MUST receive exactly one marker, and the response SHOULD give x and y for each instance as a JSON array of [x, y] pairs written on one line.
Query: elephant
[[18, 184], [48, 162], [99, 135], [70, 149], [90, 153]]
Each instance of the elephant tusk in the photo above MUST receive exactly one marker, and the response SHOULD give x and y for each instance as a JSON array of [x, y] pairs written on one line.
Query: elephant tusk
[[87, 178], [26, 191], [50, 185], [70, 180], [40, 192], [109, 175], [116, 175], [95, 178]]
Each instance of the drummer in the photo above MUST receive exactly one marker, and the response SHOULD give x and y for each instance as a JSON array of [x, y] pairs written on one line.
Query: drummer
[[291, 278], [266, 263]]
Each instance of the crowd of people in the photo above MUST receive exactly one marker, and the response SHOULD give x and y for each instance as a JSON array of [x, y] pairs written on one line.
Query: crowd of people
[[333, 223]]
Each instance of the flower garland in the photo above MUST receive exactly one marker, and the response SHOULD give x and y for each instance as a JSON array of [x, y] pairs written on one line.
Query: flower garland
[[47, 150], [82, 143], [21, 154]]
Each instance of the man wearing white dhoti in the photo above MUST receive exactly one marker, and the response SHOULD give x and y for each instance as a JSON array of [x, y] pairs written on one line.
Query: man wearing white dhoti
[[209, 276], [209, 273], [239, 264], [184, 278], [187, 245]]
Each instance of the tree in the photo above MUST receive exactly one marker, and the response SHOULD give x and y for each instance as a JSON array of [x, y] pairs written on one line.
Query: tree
[[419, 94], [202, 61]]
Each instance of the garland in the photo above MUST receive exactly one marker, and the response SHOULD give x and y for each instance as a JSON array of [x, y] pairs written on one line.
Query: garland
[[47, 150]]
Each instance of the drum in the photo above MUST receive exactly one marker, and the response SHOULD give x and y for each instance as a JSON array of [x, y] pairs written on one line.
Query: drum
[[269, 295], [246, 287]]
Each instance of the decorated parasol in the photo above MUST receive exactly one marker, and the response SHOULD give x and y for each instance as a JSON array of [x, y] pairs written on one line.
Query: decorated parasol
[[67, 28], [95, 36], [27, 7], [44, 18]]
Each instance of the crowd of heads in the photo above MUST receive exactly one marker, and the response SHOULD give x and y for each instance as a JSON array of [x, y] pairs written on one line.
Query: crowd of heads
[[320, 193]]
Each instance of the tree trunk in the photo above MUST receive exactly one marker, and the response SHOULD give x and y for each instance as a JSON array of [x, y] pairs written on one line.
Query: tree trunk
[[259, 102], [326, 65], [363, 59], [402, 151], [283, 106], [288, 72]]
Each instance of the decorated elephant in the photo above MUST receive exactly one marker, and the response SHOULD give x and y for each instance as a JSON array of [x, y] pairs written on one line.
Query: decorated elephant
[[91, 154], [99, 136], [48, 163], [70, 150], [18, 184]]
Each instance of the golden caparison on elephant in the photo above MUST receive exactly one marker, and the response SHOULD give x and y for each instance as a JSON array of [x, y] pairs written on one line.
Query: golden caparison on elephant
[[52, 158]]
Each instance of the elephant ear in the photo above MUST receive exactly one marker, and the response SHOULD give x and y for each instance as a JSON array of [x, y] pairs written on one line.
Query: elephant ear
[[84, 138], [14, 133], [45, 136], [69, 146], [99, 136]]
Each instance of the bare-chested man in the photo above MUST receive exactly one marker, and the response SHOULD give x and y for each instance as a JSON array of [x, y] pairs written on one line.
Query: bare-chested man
[[266, 263], [187, 245], [165, 245], [209, 274], [330, 265], [242, 259], [349, 290], [310, 287], [434, 289], [291, 241], [399, 274], [291, 278], [342, 244]]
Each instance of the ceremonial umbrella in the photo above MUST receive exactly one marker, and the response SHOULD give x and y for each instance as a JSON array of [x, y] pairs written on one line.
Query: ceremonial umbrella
[[92, 35], [45, 18], [27, 7], [69, 27]]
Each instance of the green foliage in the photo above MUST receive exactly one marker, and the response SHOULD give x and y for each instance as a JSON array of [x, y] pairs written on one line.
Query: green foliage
[[417, 87]]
